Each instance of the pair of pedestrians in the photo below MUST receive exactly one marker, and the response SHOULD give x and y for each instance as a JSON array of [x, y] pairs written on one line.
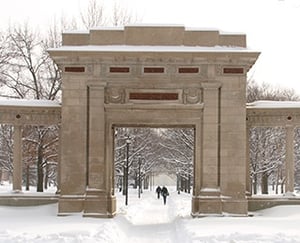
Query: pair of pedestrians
[[162, 191]]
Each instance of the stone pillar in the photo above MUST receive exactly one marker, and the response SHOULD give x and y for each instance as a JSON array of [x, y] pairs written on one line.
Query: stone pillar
[[209, 198], [17, 159], [289, 159], [98, 199], [248, 179], [58, 178]]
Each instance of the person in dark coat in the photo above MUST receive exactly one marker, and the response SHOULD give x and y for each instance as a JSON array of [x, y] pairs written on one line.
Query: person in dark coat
[[164, 193], [158, 191]]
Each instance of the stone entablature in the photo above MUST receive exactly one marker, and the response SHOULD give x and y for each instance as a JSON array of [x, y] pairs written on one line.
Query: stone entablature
[[20, 113], [26, 112], [273, 113]]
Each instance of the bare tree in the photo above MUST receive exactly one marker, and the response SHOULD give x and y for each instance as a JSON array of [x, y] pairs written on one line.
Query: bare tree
[[121, 16], [158, 150], [41, 151], [93, 16], [28, 71], [267, 92]]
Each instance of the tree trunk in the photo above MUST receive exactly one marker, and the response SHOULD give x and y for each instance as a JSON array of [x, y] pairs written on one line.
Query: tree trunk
[[46, 176], [135, 181], [146, 182], [124, 181], [254, 184], [264, 183], [189, 185], [40, 174], [27, 178]]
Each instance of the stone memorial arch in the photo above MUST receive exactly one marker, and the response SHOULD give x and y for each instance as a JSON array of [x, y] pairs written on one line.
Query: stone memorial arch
[[153, 76]]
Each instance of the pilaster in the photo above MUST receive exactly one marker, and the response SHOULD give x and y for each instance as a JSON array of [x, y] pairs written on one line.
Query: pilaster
[[209, 200], [98, 201]]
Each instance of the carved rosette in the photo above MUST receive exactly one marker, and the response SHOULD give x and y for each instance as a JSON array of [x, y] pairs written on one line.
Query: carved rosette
[[115, 96], [192, 96]]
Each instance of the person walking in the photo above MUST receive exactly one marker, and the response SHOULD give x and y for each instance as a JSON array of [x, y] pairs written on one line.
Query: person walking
[[158, 191], [164, 193]]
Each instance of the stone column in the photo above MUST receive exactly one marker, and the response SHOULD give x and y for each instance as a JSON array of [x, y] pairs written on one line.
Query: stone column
[[17, 159], [58, 180], [248, 179], [289, 159]]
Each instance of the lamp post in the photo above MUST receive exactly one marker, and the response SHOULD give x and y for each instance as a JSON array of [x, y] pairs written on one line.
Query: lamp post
[[127, 169], [140, 161]]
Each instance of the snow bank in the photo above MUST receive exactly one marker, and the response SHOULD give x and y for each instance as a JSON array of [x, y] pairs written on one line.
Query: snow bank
[[148, 220]]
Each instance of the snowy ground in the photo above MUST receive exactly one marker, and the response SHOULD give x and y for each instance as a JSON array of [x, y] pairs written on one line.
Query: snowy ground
[[148, 220]]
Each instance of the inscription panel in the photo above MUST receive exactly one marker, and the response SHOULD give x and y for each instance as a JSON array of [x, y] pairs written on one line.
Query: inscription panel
[[153, 96]]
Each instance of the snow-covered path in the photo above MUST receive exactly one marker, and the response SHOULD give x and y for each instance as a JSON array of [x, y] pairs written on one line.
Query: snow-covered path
[[151, 219]]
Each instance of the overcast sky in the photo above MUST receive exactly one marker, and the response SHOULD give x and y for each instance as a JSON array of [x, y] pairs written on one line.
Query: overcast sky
[[272, 26]]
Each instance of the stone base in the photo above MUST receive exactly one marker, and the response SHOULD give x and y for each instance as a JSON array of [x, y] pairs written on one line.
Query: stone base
[[235, 206], [206, 206], [98, 205], [26, 200], [215, 205], [70, 204]]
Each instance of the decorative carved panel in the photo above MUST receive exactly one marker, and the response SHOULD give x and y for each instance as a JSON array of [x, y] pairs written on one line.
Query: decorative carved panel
[[192, 96], [115, 96]]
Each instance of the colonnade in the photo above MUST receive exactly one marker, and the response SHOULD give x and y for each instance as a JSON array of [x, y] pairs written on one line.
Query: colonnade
[[275, 114], [19, 113]]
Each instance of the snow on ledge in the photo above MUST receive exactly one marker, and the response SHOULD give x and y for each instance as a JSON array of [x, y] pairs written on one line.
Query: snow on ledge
[[143, 48], [29, 103], [273, 104]]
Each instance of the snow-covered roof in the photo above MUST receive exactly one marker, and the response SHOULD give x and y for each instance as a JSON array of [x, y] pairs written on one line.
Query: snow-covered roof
[[273, 104], [29, 103], [141, 48], [76, 32]]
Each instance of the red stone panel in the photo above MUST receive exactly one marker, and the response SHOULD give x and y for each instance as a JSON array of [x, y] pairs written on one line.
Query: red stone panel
[[154, 70], [188, 70], [75, 69], [233, 70], [153, 96], [119, 69]]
